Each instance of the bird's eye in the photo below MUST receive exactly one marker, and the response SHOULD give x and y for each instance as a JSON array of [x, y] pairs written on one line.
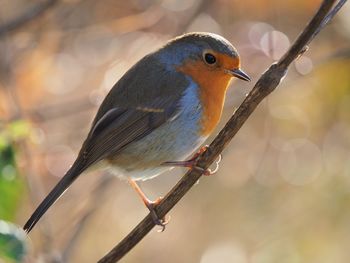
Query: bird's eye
[[210, 58]]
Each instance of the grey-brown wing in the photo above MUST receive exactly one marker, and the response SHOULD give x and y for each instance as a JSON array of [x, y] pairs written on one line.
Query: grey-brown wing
[[119, 127], [143, 99]]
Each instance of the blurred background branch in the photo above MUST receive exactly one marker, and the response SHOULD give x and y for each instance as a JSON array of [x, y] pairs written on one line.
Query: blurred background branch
[[96, 199], [264, 86], [28, 15]]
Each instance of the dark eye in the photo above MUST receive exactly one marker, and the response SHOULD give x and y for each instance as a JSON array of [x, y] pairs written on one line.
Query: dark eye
[[210, 58]]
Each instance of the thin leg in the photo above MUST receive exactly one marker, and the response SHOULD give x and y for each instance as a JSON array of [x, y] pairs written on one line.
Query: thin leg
[[192, 163], [150, 205]]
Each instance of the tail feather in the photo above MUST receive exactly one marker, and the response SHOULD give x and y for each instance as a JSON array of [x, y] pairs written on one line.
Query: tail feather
[[51, 198]]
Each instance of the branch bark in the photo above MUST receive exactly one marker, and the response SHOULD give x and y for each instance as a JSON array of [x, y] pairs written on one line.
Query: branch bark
[[265, 85]]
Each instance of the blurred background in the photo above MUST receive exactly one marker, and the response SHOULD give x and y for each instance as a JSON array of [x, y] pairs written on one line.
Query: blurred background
[[282, 193]]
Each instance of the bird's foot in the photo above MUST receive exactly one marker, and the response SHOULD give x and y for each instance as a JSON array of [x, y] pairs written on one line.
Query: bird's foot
[[151, 205], [192, 163]]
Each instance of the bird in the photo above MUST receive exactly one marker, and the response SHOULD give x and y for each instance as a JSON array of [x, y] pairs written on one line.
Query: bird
[[157, 115]]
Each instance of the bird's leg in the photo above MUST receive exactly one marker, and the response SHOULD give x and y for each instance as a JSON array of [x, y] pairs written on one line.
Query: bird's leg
[[150, 205], [192, 163]]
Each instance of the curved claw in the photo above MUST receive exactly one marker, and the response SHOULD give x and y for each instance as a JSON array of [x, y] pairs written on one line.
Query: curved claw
[[151, 206], [217, 162], [157, 221], [160, 222], [208, 172]]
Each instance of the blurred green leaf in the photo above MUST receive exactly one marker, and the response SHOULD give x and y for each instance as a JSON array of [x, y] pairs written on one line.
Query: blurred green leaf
[[3, 141], [11, 185], [13, 244], [19, 129]]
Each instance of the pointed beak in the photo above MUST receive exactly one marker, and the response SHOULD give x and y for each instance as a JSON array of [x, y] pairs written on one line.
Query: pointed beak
[[238, 73]]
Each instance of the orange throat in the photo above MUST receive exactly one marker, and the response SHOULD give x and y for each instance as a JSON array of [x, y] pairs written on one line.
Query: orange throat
[[212, 89]]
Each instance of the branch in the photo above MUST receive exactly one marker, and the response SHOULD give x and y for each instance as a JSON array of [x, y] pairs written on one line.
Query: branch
[[265, 85], [27, 16]]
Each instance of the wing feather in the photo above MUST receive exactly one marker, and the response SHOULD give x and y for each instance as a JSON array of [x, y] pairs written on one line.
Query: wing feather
[[116, 130]]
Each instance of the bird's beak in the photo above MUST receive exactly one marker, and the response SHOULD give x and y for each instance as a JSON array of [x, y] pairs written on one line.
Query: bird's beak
[[238, 73]]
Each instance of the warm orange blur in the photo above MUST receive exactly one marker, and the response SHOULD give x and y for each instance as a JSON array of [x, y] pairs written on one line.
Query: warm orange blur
[[282, 193]]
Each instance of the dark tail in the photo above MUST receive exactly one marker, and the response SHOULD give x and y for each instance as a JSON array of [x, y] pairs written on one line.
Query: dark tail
[[55, 193]]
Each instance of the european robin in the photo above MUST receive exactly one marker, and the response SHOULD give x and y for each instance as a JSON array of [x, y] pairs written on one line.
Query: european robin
[[157, 114]]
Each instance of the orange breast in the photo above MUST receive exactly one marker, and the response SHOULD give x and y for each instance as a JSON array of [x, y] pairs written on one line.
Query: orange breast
[[213, 84]]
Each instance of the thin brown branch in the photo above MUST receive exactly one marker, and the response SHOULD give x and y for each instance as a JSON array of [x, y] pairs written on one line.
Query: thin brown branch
[[265, 85], [329, 17], [312, 29], [27, 16]]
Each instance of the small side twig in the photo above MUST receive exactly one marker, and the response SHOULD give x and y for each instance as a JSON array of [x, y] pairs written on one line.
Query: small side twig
[[265, 85], [27, 16]]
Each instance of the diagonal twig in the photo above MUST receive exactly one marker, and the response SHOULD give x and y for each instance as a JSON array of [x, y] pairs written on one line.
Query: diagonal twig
[[329, 17], [265, 85]]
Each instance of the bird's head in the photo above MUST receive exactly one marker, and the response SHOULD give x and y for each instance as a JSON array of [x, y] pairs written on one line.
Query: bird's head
[[203, 53], [210, 61]]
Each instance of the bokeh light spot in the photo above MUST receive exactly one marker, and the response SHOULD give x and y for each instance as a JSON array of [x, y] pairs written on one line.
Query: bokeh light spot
[[224, 252], [95, 46], [336, 149], [300, 162], [304, 65], [178, 5], [58, 160], [205, 23], [65, 75], [257, 31], [9, 172], [274, 44]]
